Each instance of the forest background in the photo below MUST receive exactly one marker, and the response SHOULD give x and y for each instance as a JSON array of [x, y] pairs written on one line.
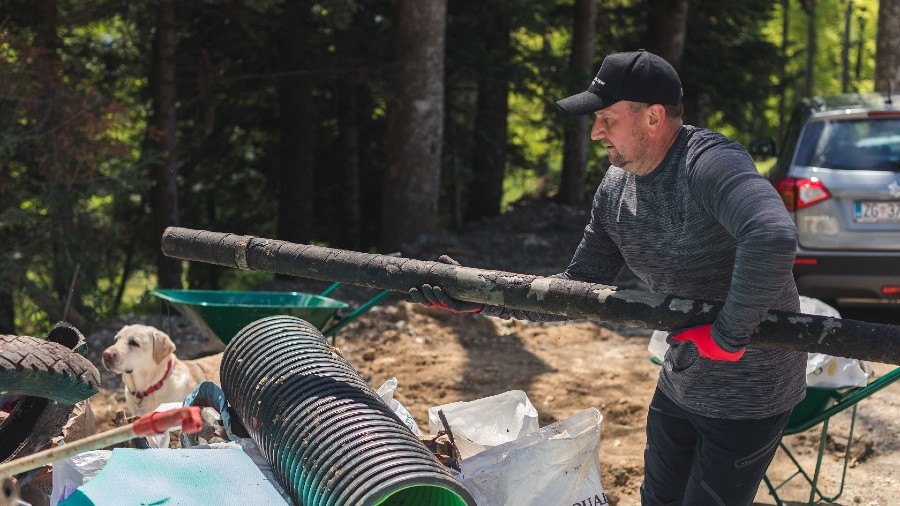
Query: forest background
[[356, 124]]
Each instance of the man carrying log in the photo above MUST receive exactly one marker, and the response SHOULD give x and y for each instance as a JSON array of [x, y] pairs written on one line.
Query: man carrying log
[[686, 210]]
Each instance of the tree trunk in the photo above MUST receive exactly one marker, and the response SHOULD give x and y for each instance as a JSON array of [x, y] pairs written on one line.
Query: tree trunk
[[7, 311], [667, 29], [50, 304], [574, 299], [350, 90], [415, 124], [846, 42], [7, 270], [296, 182], [348, 120], [887, 47], [295, 177], [576, 129], [697, 102], [489, 155], [54, 164], [161, 134], [809, 7], [461, 104], [782, 72]]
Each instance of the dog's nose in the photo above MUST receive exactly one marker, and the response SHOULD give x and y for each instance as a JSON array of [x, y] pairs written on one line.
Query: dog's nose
[[108, 354]]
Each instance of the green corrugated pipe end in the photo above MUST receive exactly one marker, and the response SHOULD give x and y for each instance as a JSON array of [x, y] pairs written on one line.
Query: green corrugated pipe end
[[422, 495]]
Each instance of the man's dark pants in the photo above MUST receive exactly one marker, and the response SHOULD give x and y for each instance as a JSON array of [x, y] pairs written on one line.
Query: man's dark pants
[[696, 460]]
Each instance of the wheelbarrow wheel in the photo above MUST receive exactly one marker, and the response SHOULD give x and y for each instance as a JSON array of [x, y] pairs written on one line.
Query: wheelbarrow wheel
[[42, 381]]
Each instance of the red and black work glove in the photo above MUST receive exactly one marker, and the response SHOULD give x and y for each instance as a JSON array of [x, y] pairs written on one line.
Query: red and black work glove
[[702, 338], [435, 297]]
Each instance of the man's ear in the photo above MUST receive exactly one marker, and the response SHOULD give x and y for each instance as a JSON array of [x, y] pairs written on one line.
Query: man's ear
[[656, 116], [162, 346]]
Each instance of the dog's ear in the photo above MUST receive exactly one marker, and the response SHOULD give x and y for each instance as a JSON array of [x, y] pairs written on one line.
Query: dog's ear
[[162, 345]]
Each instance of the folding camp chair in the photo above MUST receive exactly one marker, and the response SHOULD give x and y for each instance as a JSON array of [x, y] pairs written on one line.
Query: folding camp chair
[[819, 406]]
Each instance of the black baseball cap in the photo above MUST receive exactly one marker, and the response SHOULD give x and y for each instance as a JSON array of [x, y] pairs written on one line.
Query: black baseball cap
[[637, 76]]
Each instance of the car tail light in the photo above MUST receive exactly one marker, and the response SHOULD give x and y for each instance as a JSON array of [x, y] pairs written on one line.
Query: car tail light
[[806, 261], [890, 290], [799, 193], [883, 114]]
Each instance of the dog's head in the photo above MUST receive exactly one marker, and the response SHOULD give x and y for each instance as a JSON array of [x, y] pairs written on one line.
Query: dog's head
[[137, 347]]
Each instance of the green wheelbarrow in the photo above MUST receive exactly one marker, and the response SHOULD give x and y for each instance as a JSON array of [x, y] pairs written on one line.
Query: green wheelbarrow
[[221, 314]]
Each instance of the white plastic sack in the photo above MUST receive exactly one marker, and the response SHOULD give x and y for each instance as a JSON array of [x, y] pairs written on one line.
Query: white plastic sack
[[162, 440], [557, 464], [386, 392], [73, 472], [825, 371], [488, 421], [658, 345]]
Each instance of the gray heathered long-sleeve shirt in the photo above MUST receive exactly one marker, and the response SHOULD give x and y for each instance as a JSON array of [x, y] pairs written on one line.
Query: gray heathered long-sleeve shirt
[[706, 225]]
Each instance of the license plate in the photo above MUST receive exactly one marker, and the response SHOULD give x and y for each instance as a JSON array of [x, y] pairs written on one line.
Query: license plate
[[878, 212]]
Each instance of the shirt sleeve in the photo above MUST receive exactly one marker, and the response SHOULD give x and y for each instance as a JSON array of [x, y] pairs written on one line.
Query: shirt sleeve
[[725, 182], [597, 259]]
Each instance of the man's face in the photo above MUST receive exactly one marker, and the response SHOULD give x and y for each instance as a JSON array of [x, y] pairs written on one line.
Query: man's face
[[620, 128]]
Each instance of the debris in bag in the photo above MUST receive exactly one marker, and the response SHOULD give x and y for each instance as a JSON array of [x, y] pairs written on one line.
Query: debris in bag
[[386, 392], [503, 456], [556, 464], [443, 445], [213, 431], [486, 422]]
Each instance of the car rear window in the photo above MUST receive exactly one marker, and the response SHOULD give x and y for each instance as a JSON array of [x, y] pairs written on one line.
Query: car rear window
[[851, 144]]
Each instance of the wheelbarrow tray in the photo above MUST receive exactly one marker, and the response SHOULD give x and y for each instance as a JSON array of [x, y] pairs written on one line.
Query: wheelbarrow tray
[[222, 313]]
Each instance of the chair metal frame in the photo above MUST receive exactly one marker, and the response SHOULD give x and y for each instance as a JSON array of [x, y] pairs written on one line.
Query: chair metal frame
[[840, 400]]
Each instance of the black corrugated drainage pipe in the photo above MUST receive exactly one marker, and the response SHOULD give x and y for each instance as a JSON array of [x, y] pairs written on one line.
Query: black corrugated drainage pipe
[[329, 437]]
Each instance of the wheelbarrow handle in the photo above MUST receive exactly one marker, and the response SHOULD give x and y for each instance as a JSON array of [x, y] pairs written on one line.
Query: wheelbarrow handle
[[330, 289], [332, 330], [336, 284]]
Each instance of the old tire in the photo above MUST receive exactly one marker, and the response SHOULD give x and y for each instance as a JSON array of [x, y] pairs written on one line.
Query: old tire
[[42, 368], [49, 377]]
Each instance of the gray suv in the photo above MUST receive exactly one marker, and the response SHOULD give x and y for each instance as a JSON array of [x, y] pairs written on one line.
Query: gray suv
[[838, 172]]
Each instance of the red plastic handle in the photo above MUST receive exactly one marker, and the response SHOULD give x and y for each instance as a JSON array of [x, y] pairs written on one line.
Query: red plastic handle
[[160, 421]]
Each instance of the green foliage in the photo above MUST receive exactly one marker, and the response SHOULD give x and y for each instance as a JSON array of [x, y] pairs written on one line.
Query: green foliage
[[764, 166], [828, 65], [68, 161], [75, 187]]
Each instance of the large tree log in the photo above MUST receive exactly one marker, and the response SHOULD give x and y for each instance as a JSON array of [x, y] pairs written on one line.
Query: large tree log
[[573, 299]]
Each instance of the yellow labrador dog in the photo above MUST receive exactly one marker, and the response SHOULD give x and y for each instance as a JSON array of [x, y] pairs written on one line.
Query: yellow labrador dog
[[145, 357]]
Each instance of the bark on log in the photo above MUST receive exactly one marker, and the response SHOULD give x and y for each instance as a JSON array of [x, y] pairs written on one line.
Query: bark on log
[[574, 299]]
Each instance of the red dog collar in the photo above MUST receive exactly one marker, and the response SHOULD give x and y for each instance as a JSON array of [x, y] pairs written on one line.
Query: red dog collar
[[156, 386]]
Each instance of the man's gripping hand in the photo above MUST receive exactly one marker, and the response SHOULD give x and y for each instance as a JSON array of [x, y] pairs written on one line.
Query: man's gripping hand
[[702, 338], [435, 297]]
